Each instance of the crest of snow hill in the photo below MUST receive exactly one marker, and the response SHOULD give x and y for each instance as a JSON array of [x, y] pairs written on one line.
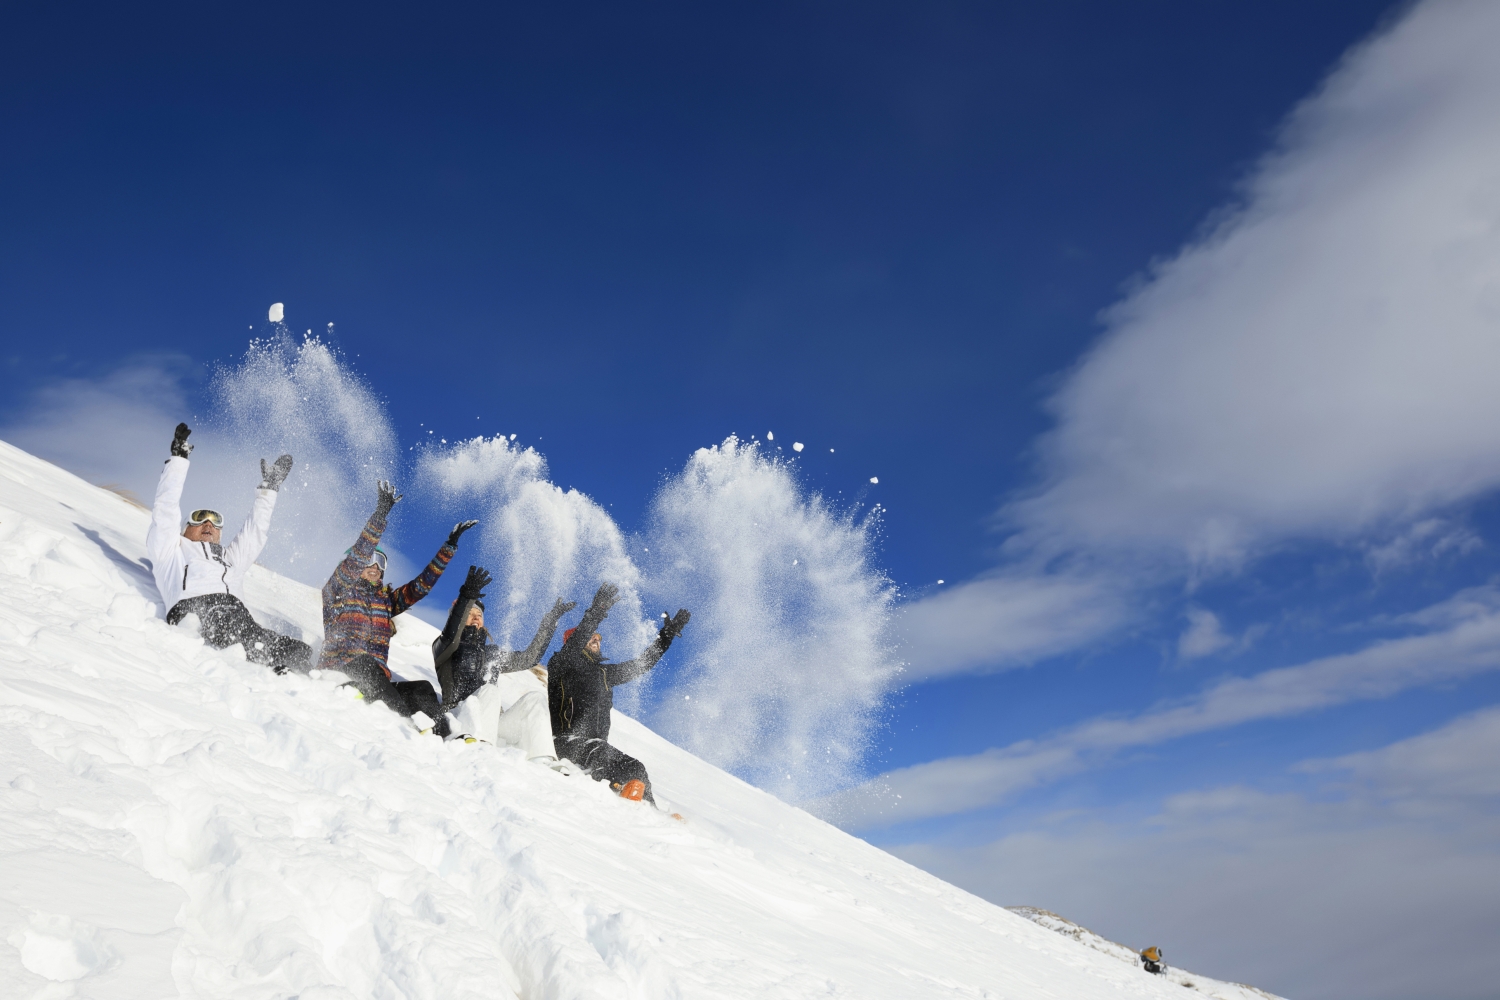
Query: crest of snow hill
[[176, 821]]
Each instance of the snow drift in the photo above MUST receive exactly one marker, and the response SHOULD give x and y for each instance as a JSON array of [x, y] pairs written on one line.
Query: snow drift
[[175, 821]]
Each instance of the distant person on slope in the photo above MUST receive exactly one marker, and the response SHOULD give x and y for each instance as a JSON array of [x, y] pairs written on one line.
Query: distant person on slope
[[1151, 960], [196, 575], [580, 693], [495, 694], [358, 607]]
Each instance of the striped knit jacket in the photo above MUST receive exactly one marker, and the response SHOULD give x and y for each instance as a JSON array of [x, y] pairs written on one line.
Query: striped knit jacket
[[357, 613]]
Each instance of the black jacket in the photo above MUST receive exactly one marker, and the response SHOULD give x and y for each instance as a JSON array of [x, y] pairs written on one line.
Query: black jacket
[[580, 686], [466, 660]]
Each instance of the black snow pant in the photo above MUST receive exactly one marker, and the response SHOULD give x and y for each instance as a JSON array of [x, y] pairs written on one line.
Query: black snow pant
[[603, 762], [223, 620], [402, 697]]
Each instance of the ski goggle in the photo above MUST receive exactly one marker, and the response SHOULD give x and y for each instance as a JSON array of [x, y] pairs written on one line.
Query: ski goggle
[[213, 517], [378, 559]]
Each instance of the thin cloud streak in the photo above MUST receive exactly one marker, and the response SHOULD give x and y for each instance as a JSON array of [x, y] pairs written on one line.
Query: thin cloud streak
[[1466, 641], [1006, 621]]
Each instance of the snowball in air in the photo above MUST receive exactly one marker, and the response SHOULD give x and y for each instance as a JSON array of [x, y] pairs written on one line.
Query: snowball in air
[[940, 581], [797, 446], [770, 436], [874, 479], [275, 313]]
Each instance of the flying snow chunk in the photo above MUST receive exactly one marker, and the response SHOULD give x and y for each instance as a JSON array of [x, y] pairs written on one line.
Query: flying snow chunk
[[797, 446], [770, 436], [276, 312], [874, 479]]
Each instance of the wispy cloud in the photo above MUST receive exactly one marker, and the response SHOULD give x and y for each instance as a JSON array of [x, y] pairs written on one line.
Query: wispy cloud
[[1318, 365], [1465, 640], [1007, 620]]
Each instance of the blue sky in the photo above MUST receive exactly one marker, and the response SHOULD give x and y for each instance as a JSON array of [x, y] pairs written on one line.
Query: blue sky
[[1168, 330]]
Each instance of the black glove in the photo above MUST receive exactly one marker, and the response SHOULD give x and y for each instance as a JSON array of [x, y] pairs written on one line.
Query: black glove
[[472, 589], [561, 608], [388, 498], [180, 447], [606, 596], [271, 477], [458, 530], [672, 627]]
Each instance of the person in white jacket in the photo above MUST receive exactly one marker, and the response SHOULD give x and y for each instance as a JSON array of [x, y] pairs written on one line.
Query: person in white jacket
[[197, 575]]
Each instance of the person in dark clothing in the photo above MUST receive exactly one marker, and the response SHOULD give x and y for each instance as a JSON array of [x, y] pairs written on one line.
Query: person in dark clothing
[[580, 695], [358, 607], [199, 576], [470, 669]]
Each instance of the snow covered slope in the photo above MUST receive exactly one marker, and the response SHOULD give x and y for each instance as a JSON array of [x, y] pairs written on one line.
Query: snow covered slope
[[175, 821], [1216, 988]]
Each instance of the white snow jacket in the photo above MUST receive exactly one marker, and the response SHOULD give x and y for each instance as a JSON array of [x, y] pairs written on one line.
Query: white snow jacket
[[186, 569]]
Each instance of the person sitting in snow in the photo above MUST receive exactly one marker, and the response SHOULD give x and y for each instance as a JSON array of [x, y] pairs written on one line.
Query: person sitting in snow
[[358, 607], [1151, 960], [580, 694], [495, 694], [197, 575]]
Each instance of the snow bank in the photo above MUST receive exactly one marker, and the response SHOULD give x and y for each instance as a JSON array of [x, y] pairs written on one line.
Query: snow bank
[[175, 821]]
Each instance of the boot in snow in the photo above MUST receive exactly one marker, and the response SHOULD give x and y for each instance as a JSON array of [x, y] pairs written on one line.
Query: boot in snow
[[633, 790]]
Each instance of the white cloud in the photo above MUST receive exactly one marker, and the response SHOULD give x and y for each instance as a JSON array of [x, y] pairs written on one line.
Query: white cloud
[[1384, 887], [1006, 620], [1322, 361], [1465, 640], [1203, 636], [113, 429], [1318, 365]]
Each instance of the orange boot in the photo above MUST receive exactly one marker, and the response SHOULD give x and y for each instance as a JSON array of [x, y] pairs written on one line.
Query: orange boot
[[633, 790]]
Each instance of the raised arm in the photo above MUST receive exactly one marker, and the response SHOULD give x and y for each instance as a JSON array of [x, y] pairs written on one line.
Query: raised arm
[[363, 551], [250, 541], [445, 645], [405, 596], [510, 663], [604, 599], [619, 673]]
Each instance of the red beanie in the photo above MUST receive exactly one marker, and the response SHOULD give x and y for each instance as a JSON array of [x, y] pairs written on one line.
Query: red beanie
[[568, 633]]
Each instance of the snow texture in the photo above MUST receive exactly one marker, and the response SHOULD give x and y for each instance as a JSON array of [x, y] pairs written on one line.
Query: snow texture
[[175, 821], [1191, 980]]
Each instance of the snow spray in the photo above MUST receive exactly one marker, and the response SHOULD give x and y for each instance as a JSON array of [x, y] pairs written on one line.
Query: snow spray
[[783, 670], [294, 396], [790, 648], [540, 543]]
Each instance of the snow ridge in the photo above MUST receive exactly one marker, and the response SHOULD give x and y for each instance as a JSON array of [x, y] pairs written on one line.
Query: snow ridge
[[177, 822]]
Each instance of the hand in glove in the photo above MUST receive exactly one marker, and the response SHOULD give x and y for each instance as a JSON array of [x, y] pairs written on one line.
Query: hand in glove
[[472, 589], [271, 477], [561, 608], [672, 627], [388, 498], [458, 530], [606, 596], [180, 446]]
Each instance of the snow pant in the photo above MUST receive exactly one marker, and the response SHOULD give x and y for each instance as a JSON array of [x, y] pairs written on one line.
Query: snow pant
[[604, 763], [524, 723], [1152, 968], [223, 620], [404, 698]]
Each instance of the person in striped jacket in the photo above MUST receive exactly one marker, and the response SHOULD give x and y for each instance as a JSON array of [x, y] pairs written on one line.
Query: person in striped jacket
[[358, 606]]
